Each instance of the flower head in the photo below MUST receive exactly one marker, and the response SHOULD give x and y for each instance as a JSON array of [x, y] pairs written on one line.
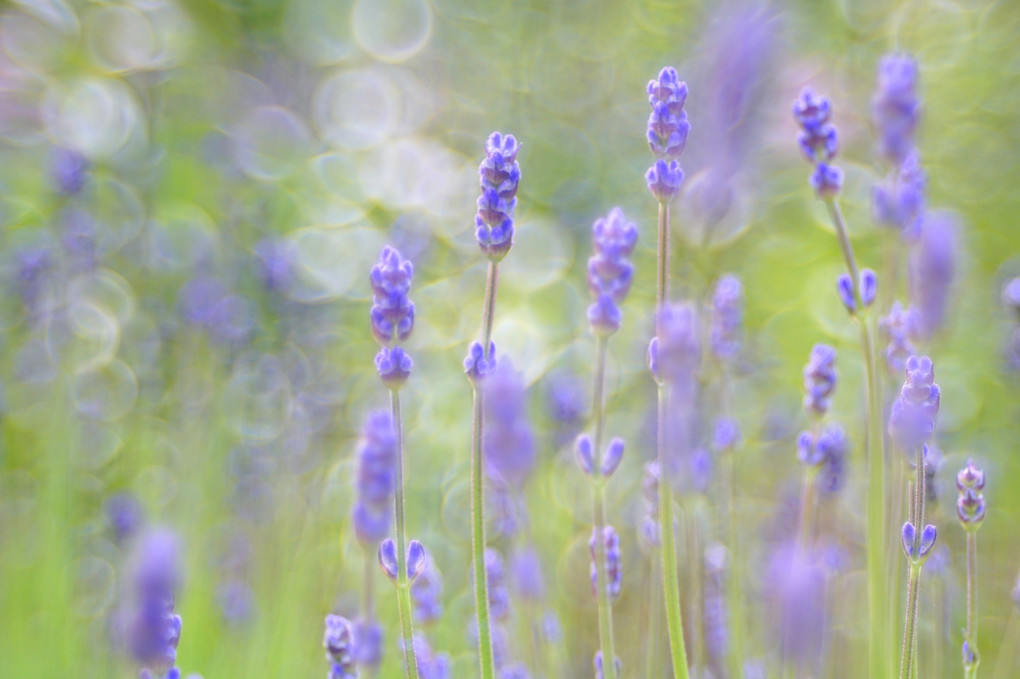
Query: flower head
[[932, 268], [499, 175], [898, 202], [819, 141], [375, 479], [392, 311], [509, 443], [614, 565], [154, 629], [675, 353], [912, 418], [727, 317], [338, 641], [899, 328], [820, 379], [667, 133], [970, 507], [609, 270], [895, 107]]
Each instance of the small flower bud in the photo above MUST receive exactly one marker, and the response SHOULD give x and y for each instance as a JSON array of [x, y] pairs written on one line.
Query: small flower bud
[[388, 558], [614, 454], [583, 452], [970, 477], [475, 364], [417, 559], [845, 288], [869, 287]]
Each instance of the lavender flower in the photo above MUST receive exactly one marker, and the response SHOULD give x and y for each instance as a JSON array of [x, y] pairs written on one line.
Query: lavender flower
[[899, 328], [614, 569], [500, 175], [31, 266], [276, 263], [716, 612], [392, 315], [375, 478], [725, 435], [475, 365], [912, 417], [970, 507], [1011, 297], [68, 170], [431, 665], [609, 271], [368, 643], [932, 268], [727, 317], [650, 500], [820, 379], [338, 641], [509, 443], [677, 356], [667, 133], [599, 671], [895, 107], [827, 451], [818, 141], [797, 584], [565, 403], [899, 201], [427, 595], [528, 577], [153, 628]]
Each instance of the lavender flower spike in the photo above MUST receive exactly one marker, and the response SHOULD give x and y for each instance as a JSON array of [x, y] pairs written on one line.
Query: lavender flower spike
[[338, 641], [818, 141], [912, 417], [611, 541], [727, 317], [667, 133], [392, 315], [500, 176], [509, 443], [820, 379], [609, 271], [153, 629], [970, 509], [375, 478], [678, 355], [895, 107], [899, 328], [932, 268]]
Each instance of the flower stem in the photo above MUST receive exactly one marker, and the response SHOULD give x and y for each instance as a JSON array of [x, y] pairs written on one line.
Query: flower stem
[[477, 490], [970, 671], [807, 503], [605, 606], [670, 585], [403, 586], [877, 652], [907, 659]]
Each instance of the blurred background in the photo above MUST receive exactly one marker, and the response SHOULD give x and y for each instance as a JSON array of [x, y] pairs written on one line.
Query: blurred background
[[192, 194]]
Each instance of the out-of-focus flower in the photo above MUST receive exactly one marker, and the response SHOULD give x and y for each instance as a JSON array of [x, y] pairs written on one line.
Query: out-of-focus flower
[[276, 260], [899, 328], [912, 417], [609, 271], [368, 644], [153, 629], [427, 595], [68, 170], [125, 515], [338, 641], [509, 443], [932, 269], [796, 582], [499, 595], [614, 561], [377, 454], [727, 317], [898, 202], [818, 141], [675, 353], [895, 107], [820, 379]]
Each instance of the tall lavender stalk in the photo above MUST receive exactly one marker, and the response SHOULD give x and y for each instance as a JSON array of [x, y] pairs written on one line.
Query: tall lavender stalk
[[815, 445], [970, 510], [819, 142], [609, 278], [339, 642], [911, 423], [152, 628], [500, 176], [667, 137], [392, 318]]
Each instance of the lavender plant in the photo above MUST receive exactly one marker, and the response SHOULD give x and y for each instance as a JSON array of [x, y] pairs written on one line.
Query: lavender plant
[[819, 142], [500, 177], [392, 320], [609, 278], [339, 643], [667, 136], [970, 510], [911, 424], [153, 629]]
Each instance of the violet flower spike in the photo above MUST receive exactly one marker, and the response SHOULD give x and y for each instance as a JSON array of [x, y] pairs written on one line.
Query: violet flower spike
[[499, 175], [818, 141], [374, 481], [610, 271], [153, 630], [895, 107], [338, 641], [667, 133], [970, 510]]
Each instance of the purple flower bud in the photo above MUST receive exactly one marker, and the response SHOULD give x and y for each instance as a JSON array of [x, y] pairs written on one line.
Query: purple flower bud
[[375, 479], [811, 111], [583, 452], [509, 443], [664, 179], [726, 435], [818, 141], [895, 107], [614, 566], [869, 287], [388, 558], [394, 366], [675, 353], [912, 417], [970, 508], [500, 176], [667, 125], [68, 170], [417, 559], [917, 551], [392, 312], [614, 454], [826, 180], [832, 445], [476, 366], [339, 644], [820, 379], [727, 317], [899, 327], [899, 201], [970, 656], [845, 288], [970, 477], [599, 670], [609, 271], [932, 268]]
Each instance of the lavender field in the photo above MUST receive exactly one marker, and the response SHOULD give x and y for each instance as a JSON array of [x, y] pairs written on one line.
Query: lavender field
[[440, 339]]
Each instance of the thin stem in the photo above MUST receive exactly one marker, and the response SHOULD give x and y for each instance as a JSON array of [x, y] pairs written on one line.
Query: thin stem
[[877, 652], [478, 488], [403, 586], [909, 642], [908, 631], [670, 586], [654, 613], [970, 671], [807, 503], [605, 606], [695, 587]]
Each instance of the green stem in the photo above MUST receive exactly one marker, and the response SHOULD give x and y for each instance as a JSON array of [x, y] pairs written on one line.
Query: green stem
[[670, 585], [907, 658], [735, 595], [654, 613], [368, 594], [970, 671], [695, 587], [807, 503], [877, 651], [477, 489], [605, 606], [403, 586]]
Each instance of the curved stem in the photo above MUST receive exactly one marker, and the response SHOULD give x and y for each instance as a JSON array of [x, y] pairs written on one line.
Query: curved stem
[[670, 585], [877, 652], [605, 606], [477, 489], [403, 586]]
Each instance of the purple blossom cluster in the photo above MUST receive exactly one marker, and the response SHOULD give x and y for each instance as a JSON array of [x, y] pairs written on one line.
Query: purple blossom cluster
[[970, 506], [339, 643], [818, 141], [500, 176], [609, 271], [912, 417], [614, 561], [727, 318], [153, 629], [820, 377], [509, 443], [392, 315], [374, 482], [667, 133]]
